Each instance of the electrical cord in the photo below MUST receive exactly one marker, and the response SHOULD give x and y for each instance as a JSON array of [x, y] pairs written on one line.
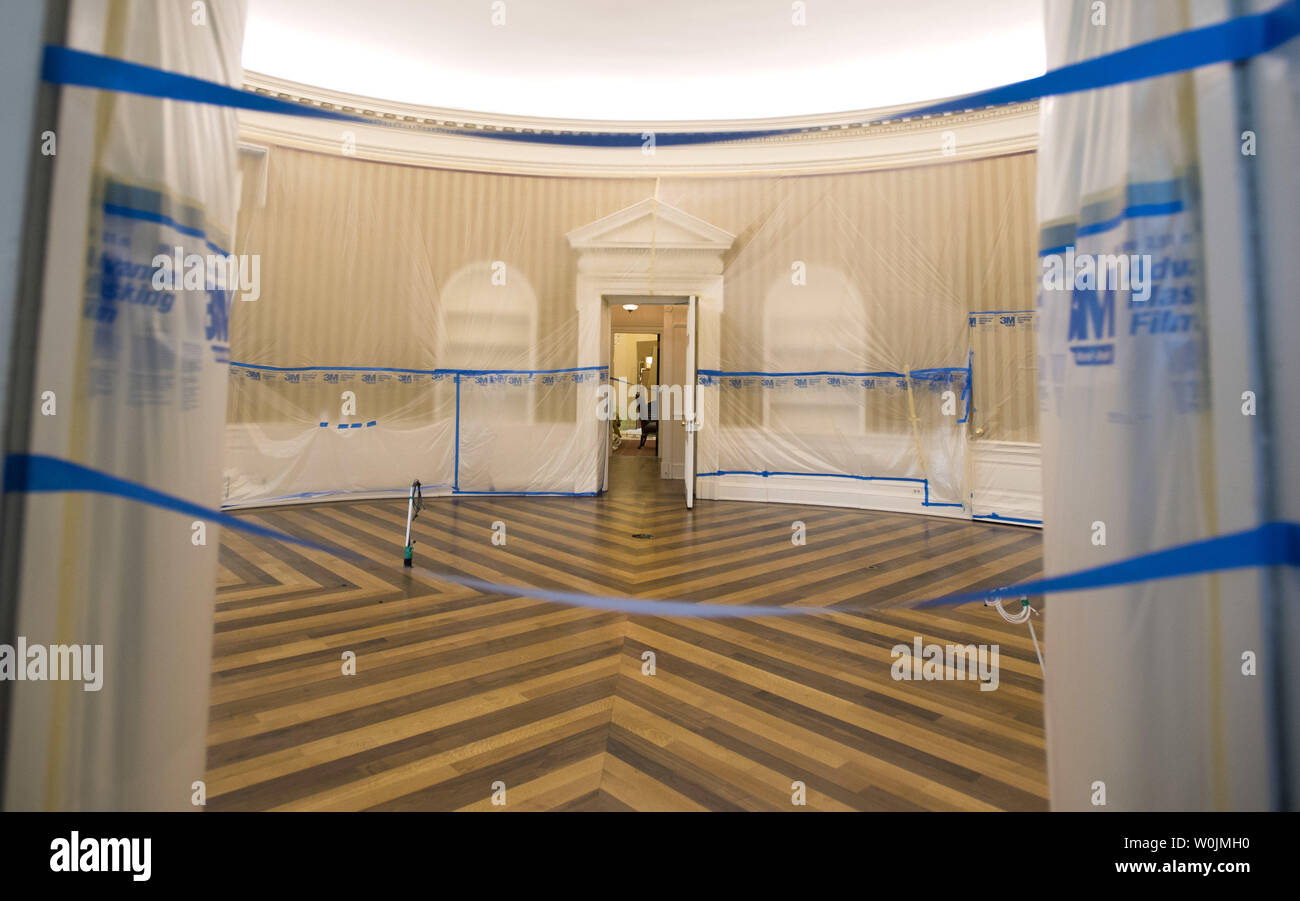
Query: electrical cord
[[1022, 617]]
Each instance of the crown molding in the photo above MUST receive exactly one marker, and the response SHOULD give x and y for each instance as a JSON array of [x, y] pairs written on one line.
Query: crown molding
[[413, 135]]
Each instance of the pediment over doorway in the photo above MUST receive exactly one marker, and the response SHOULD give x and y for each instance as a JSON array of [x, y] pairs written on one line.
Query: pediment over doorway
[[650, 223]]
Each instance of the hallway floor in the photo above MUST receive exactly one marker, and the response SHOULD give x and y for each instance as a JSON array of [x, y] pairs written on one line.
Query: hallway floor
[[455, 690]]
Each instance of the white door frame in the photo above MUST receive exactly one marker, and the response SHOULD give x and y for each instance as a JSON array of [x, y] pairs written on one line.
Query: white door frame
[[672, 460], [658, 331], [689, 390], [646, 249], [595, 329]]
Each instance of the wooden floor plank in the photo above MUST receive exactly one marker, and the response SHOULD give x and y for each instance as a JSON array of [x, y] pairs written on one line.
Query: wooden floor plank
[[456, 690]]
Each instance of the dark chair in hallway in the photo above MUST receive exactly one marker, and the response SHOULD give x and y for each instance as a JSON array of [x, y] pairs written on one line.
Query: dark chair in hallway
[[648, 427]]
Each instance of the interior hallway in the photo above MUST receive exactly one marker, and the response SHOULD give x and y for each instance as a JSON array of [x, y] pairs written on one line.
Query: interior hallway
[[455, 690]]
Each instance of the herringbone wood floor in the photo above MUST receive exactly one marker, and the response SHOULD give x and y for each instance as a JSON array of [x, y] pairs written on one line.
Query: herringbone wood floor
[[455, 690]]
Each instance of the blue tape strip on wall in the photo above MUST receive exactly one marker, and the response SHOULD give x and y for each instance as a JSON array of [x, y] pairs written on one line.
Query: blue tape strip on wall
[[934, 372], [1230, 41], [1272, 544], [467, 372]]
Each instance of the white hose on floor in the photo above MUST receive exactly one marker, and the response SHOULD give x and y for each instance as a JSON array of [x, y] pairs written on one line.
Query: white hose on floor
[[1022, 617]]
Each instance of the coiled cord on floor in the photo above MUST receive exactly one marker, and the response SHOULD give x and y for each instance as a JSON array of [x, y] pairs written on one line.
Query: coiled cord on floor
[[1022, 617]]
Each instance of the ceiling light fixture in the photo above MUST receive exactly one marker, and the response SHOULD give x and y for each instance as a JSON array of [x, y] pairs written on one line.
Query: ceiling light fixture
[[629, 307]]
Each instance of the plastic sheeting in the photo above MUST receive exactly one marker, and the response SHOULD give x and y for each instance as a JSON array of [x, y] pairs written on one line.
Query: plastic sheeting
[[863, 425], [1149, 704], [444, 302], [137, 382]]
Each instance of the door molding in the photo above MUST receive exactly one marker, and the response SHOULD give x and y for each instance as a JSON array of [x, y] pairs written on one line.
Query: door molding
[[648, 249]]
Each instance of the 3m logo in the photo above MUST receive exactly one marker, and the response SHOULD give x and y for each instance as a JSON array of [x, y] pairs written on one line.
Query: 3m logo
[[218, 310], [1092, 318]]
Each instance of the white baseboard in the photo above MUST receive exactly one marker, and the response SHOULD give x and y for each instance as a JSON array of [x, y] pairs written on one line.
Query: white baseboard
[[824, 491], [400, 494], [1007, 481], [1006, 485]]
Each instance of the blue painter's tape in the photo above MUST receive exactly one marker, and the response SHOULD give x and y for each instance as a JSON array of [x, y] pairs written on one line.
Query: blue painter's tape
[[468, 491], [524, 371], [755, 372], [998, 518], [455, 485], [933, 369], [459, 373], [39, 474], [826, 475], [64, 65], [932, 373], [372, 423], [309, 495], [1272, 544], [1230, 41], [263, 367], [628, 605], [1133, 212], [925, 502], [127, 212], [1236, 39], [1138, 211], [967, 389]]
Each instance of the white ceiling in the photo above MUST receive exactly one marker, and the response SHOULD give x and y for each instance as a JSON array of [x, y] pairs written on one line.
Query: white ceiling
[[645, 60]]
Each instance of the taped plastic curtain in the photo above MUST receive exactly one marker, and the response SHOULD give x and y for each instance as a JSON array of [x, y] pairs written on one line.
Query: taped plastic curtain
[[421, 323], [137, 382], [1152, 700]]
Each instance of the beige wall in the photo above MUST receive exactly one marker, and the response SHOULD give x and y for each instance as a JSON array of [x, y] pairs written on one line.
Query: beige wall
[[357, 258], [625, 363]]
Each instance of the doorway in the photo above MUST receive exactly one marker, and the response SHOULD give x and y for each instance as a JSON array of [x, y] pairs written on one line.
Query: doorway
[[634, 364], [649, 346]]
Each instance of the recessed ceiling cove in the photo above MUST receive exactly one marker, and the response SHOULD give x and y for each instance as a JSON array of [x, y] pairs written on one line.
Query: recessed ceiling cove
[[656, 60]]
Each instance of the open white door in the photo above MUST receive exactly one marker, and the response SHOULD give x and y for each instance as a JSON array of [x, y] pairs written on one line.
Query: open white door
[[688, 404]]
